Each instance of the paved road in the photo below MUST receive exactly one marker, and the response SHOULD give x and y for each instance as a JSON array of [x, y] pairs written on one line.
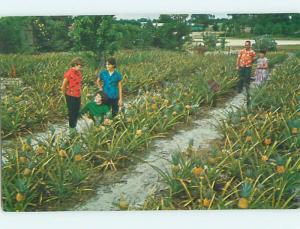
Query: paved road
[[240, 42]]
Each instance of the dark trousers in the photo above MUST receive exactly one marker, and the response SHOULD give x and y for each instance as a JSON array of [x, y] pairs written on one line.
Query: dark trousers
[[114, 104], [73, 104], [244, 78]]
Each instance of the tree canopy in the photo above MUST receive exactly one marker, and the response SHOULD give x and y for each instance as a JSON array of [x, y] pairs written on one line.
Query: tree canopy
[[103, 35]]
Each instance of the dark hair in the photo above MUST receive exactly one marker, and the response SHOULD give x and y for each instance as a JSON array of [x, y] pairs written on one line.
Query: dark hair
[[76, 61], [248, 42], [112, 61], [103, 95]]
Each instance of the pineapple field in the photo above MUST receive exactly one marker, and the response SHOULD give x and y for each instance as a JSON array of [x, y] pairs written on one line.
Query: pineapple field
[[254, 165]]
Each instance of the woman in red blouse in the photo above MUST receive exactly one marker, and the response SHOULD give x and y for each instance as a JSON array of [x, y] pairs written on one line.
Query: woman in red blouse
[[71, 88]]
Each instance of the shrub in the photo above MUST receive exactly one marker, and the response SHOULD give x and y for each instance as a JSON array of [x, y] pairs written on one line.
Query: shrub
[[265, 42]]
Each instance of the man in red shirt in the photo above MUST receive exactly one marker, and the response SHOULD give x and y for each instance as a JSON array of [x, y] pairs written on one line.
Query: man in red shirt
[[244, 62], [71, 88]]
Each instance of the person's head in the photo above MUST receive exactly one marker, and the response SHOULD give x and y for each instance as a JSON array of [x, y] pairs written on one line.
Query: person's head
[[77, 63], [262, 53], [100, 97], [247, 45], [111, 64]]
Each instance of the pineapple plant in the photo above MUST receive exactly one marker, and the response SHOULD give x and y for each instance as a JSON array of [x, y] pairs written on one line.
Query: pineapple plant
[[280, 165], [245, 193]]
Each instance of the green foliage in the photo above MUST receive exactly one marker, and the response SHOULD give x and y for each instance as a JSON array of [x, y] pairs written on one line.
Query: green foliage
[[30, 34], [297, 54], [210, 40], [265, 42], [203, 19], [13, 35], [222, 42], [277, 59], [173, 33], [51, 33], [246, 189], [95, 33], [103, 35], [276, 24]]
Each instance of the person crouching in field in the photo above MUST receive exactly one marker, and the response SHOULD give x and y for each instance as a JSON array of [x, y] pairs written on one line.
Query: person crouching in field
[[71, 88], [244, 63], [261, 73], [112, 85], [97, 109]]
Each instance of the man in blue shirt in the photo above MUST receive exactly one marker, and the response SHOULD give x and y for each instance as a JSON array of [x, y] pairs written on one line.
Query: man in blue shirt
[[109, 80]]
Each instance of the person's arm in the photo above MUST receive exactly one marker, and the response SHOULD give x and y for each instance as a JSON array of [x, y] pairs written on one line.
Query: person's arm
[[64, 86], [238, 62], [105, 115], [266, 64], [254, 57], [99, 84], [120, 93]]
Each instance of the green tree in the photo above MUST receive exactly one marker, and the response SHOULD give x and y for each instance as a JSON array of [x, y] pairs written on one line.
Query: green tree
[[277, 29], [51, 33], [15, 35], [204, 19], [165, 18], [210, 40], [97, 34], [265, 42], [129, 35], [258, 29], [147, 35], [173, 33]]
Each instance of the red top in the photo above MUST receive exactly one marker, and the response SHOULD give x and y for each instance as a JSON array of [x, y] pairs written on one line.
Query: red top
[[246, 57], [74, 78]]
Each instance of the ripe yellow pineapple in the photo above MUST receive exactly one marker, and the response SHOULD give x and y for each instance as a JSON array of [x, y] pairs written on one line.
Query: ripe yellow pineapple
[[139, 133], [264, 158], [267, 141], [40, 150], [20, 197], [78, 157], [26, 172], [294, 130], [248, 138], [197, 171], [243, 203], [62, 153], [206, 202]]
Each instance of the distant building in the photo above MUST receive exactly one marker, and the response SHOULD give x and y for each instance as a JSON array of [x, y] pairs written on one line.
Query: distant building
[[197, 28], [157, 24]]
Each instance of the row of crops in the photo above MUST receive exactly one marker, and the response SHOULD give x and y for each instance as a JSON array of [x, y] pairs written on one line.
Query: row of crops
[[38, 100], [165, 88], [257, 163]]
